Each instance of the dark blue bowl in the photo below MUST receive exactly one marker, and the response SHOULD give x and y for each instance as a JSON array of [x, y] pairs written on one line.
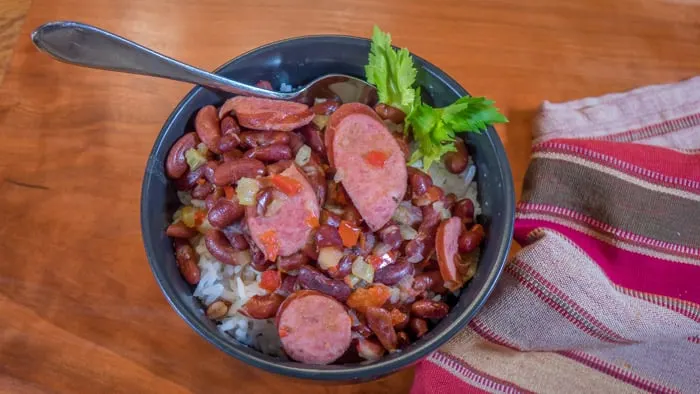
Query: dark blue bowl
[[297, 61]]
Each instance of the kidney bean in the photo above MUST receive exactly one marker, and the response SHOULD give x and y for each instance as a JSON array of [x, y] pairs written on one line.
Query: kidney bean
[[255, 139], [270, 153], [288, 286], [179, 230], [224, 212], [231, 155], [189, 180], [402, 340], [419, 248], [403, 145], [206, 123], [278, 167], [295, 141], [399, 319], [429, 280], [219, 246], [427, 309], [213, 197], [259, 263], [366, 243], [343, 269], [449, 201], [329, 218], [237, 240], [217, 310], [293, 262], [433, 194], [391, 235], [263, 84], [202, 190], [208, 170], [387, 112], [379, 321], [325, 108], [419, 181], [418, 327], [229, 142], [186, 259], [310, 249], [456, 162], [369, 348], [393, 273], [263, 200], [175, 163], [328, 236], [262, 306], [312, 137], [312, 279], [228, 125], [470, 240], [431, 219], [229, 172], [464, 209]]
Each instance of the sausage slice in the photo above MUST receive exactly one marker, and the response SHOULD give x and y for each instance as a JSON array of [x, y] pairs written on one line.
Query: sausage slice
[[371, 163], [313, 328], [446, 245], [266, 114]]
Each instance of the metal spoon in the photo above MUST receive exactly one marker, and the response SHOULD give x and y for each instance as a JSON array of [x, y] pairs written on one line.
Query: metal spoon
[[89, 46]]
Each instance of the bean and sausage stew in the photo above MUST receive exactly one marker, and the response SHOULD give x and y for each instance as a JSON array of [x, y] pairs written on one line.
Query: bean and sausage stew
[[308, 217]]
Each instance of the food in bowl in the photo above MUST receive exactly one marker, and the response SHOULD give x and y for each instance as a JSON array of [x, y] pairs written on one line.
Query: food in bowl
[[305, 231]]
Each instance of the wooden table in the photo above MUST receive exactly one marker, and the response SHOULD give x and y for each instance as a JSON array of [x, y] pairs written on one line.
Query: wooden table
[[80, 309]]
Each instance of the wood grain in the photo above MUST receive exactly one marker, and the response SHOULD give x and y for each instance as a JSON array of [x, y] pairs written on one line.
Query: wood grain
[[81, 310], [12, 15]]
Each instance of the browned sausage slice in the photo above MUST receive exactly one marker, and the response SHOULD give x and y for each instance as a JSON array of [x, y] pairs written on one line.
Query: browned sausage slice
[[314, 328], [285, 231], [370, 161], [446, 245], [266, 114]]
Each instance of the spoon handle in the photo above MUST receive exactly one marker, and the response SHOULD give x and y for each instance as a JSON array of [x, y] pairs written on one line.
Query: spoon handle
[[89, 46]]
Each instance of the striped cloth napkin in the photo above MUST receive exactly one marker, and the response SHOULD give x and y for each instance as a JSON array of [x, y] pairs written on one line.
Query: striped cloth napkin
[[605, 295]]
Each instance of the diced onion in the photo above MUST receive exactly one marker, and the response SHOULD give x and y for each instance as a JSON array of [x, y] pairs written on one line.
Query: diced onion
[[334, 208], [414, 259], [205, 226], [200, 204], [395, 294], [177, 216], [275, 205], [202, 148], [363, 270], [243, 257], [187, 215], [407, 232], [184, 197], [329, 257], [380, 249], [439, 206], [303, 155], [352, 280], [407, 214], [195, 159], [320, 121], [246, 191], [338, 177]]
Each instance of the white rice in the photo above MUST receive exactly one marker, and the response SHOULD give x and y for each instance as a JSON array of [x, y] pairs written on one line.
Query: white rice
[[237, 284]]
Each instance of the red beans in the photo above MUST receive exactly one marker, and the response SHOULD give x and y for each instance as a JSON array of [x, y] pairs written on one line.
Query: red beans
[[379, 321], [270, 153], [325, 108], [229, 142], [202, 190], [471, 239], [263, 200], [312, 137], [391, 235], [316, 176], [420, 181], [206, 123], [328, 236], [255, 139], [429, 280], [179, 230], [402, 340], [213, 197], [219, 246], [464, 209], [229, 125], [175, 163], [229, 172], [419, 248], [343, 269], [262, 307], [293, 262], [369, 348], [224, 212], [403, 145], [237, 241], [393, 273], [186, 259], [456, 162], [366, 243], [311, 279], [295, 141], [427, 309], [387, 112], [418, 327]]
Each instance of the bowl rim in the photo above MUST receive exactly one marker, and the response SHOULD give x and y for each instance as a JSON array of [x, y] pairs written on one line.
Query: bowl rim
[[343, 372]]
